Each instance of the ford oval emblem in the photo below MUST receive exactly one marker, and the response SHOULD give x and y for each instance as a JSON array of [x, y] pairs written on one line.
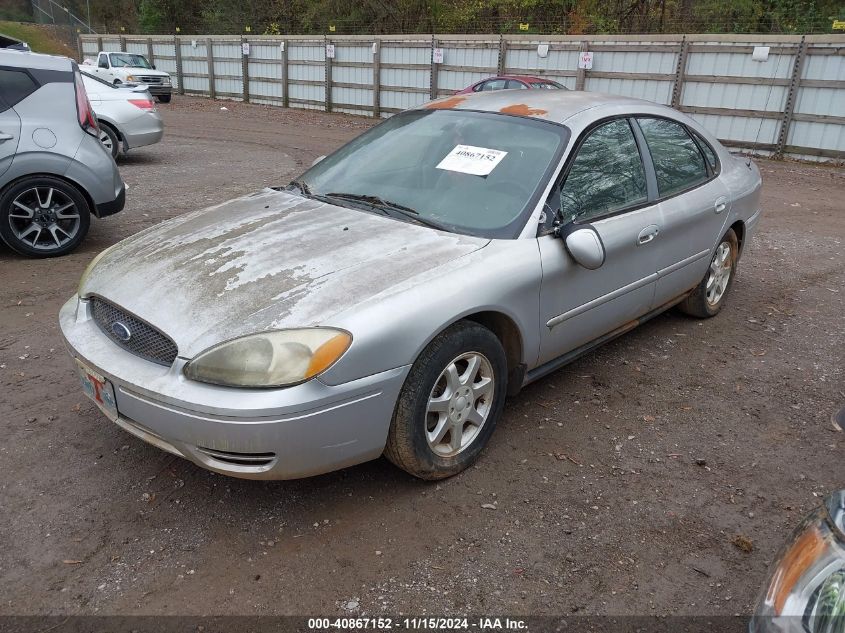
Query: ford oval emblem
[[122, 332]]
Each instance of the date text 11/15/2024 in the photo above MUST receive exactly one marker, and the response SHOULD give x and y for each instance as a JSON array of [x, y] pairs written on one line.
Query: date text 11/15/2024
[[419, 624]]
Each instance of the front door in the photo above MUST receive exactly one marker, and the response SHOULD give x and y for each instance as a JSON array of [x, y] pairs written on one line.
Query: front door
[[103, 70], [605, 186]]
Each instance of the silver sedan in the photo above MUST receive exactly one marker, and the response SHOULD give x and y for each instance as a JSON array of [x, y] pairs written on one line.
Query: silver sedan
[[388, 300], [127, 115]]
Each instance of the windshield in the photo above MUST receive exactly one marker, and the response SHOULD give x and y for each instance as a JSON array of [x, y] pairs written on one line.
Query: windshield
[[470, 172], [127, 59]]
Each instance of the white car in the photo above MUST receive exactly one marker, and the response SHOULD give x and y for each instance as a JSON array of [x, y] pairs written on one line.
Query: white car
[[123, 68], [127, 115]]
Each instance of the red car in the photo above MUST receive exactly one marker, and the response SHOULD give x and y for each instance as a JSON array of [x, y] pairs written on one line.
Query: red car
[[507, 82]]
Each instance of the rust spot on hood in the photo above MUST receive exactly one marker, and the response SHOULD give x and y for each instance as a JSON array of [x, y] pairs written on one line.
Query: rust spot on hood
[[521, 109], [446, 104]]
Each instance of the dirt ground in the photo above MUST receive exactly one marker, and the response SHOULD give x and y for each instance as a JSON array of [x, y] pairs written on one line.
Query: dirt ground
[[621, 483]]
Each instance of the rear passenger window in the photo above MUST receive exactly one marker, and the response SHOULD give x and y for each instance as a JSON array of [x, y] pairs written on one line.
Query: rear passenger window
[[15, 85], [709, 154], [677, 159]]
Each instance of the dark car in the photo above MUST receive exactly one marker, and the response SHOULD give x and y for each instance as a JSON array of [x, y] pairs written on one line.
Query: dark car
[[510, 82]]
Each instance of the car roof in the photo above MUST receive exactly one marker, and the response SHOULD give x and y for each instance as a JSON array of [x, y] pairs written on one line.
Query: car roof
[[526, 78], [547, 105], [34, 61]]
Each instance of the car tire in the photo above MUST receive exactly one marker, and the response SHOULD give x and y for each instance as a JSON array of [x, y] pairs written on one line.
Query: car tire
[[117, 82], [59, 211], [164, 98], [458, 382], [708, 297], [109, 139]]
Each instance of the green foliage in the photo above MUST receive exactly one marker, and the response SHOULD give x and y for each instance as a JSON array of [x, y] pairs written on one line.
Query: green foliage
[[468, 16]]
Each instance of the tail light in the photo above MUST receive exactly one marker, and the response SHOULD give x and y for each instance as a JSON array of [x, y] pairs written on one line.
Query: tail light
[[144, 104], [87, 118]]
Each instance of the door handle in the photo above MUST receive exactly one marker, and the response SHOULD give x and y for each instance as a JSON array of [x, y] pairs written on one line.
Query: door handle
[[5, 137], [720, 205], [648, 234]]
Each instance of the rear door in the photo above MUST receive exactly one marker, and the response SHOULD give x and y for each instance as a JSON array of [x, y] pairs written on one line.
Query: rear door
[[17, 85], [694, 204]]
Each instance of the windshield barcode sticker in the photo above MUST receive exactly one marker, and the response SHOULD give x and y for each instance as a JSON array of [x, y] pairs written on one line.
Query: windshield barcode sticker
[[468, 159]]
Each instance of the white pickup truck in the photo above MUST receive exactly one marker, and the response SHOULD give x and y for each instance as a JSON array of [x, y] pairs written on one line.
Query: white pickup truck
[[119, 67]]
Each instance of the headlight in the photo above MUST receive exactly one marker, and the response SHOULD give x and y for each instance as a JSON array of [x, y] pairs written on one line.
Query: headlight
[[90, 268], [130, 77], [805, 590], [277, 358]]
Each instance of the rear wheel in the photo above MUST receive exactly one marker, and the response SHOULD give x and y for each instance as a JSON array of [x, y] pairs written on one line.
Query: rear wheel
[[42, 216], [450, 403], [709, 296], [109, 139]]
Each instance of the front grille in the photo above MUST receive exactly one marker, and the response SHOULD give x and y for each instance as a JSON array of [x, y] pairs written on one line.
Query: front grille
[[147, 79], [144, 340]]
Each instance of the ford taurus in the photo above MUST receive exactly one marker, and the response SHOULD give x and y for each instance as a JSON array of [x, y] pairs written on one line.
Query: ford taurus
[[389, 299]]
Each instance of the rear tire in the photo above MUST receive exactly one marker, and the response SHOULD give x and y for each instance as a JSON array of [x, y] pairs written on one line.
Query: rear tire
[[450, 403], [109, 139], [164, 98], [709, 296], [42, 216]]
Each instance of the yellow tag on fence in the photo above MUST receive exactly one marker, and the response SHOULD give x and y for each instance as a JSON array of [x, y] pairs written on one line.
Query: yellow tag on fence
[[523, 27], [839, 25], [332, 28]]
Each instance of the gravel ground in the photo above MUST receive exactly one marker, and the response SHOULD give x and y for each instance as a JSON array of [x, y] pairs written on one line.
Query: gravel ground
[[658, 475]]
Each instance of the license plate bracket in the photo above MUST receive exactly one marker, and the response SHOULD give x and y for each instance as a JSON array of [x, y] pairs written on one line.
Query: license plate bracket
[[99, 389]]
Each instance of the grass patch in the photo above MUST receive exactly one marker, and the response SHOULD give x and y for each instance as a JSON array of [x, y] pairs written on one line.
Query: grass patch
[[41, 38]]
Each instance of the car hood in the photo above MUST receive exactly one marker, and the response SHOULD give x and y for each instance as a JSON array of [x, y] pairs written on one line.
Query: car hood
[[140, 70], [269, 260]]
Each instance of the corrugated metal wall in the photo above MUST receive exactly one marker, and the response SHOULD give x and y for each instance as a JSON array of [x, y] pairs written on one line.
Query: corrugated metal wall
[[711, 77]]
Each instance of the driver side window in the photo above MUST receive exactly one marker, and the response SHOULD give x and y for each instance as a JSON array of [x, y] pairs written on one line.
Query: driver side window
[[606, 176]]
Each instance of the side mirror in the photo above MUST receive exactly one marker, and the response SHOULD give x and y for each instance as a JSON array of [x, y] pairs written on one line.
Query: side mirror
[[318, 159], [585, 246], [154, 66]]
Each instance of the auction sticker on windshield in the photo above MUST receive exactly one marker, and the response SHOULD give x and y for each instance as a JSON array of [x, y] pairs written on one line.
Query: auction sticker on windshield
[[468, 159]]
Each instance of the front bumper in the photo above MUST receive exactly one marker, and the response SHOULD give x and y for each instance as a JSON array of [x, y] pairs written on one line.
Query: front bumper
[[157, 89], [299, 431]]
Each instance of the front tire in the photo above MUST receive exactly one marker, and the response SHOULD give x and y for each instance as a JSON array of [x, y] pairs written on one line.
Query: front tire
[[109, 139], [164, 98], [709, 296], [450, 403], [41, 216]]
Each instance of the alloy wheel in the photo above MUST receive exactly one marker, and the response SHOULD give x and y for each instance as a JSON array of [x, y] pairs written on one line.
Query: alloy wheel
[[44, 218], [459, 404], [719, 274], [105, 139]]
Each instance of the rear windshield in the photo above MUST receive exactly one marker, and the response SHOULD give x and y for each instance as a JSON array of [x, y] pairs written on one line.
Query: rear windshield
[[90, 84], [478, 173], [547, 85]]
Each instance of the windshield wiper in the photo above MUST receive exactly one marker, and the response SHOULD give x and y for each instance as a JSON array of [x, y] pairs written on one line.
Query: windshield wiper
[[301, 185], [388, 207]]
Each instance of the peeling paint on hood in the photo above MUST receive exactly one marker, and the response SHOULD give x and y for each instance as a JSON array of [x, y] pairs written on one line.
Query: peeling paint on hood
[[268, 260]]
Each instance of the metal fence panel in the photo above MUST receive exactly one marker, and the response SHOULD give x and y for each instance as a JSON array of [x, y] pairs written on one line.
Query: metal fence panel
[[793, 102]]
